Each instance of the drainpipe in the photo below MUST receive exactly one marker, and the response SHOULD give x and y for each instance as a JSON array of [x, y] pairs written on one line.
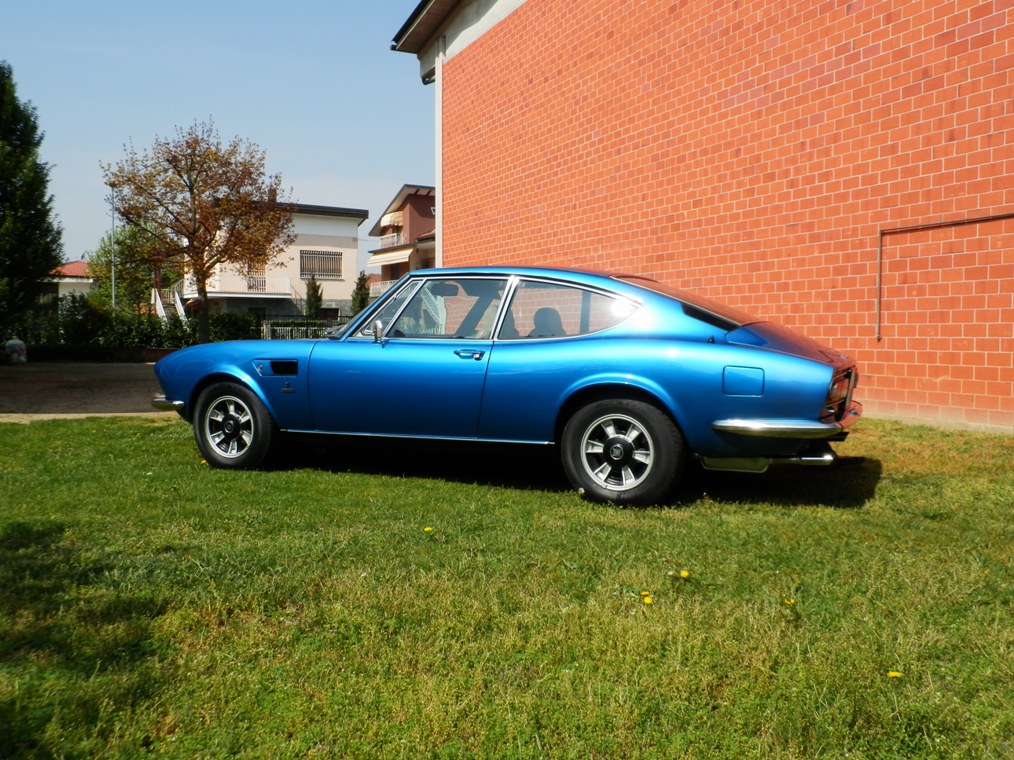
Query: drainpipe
[[918, 228], [439, 149]]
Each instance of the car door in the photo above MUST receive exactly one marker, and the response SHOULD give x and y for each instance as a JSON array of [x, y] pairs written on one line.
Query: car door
[[553, 338], [426, 375]]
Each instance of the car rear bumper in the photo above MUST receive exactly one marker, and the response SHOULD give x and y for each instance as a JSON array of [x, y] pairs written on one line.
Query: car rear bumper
[[790, 428]]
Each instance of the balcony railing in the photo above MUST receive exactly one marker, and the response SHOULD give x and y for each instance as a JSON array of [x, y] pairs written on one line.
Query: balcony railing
[[390, 241], [378, 288], [237, 285]]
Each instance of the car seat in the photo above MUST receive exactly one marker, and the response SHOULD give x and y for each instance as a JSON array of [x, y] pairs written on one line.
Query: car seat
[[547, 324]]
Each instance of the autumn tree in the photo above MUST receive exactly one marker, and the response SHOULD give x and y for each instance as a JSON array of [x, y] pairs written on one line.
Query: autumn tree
[[30, 240], [202, 204]]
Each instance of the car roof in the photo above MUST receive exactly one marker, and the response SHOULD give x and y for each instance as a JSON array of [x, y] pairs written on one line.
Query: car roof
[[640, 287], [586, 276], [510, 269]]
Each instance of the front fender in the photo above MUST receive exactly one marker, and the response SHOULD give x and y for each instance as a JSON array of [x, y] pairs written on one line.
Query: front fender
[[275, 371]]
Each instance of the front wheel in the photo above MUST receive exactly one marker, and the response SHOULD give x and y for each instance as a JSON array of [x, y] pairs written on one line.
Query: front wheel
[[622, 451], [232, 428]]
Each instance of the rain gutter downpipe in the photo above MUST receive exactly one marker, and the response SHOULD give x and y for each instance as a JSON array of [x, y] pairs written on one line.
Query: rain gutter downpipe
[[918, 228]]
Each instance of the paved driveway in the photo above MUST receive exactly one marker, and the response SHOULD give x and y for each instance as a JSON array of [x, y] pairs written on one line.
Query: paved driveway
[[44, 390]]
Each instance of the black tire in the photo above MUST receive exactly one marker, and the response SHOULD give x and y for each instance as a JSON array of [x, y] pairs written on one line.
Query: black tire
[[232, 428], [622, 451]]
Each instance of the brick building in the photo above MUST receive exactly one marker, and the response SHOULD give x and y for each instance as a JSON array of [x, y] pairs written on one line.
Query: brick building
[[846, 168], [407, 236]]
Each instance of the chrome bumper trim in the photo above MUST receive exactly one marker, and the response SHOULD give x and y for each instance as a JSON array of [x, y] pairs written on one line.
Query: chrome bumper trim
[[761, 464], [165, 405], [802, 429]]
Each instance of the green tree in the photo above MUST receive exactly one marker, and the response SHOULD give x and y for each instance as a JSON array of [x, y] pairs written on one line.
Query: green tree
[[203, 204], [314, 298], [128, 249], [30, 240], [361, 293]]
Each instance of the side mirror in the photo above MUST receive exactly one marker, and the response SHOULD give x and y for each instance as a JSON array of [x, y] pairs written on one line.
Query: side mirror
[[378, 331]]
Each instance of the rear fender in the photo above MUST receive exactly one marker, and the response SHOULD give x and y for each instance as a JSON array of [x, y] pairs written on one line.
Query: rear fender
[[615, 385]]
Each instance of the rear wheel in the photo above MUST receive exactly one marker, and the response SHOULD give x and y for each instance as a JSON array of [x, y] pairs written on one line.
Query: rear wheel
[[232, 428], [622, 451]]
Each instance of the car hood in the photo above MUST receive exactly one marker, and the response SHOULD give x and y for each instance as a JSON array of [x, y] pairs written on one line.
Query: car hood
[[774, 337]]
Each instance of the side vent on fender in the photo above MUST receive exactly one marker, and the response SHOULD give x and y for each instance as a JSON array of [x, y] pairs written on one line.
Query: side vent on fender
[[284, 367]]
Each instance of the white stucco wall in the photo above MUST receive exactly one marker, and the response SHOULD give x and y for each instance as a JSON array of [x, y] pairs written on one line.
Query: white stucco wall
[[282, 277], [470, 22]]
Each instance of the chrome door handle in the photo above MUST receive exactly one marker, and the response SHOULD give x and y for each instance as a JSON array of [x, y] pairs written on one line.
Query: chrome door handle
[[470, 353]]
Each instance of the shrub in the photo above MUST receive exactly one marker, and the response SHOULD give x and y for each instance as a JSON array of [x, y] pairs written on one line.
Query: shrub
[[233, 327], [82, 329]]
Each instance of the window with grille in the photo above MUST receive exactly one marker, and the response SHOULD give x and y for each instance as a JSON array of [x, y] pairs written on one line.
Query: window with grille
[[256, 280], [324, 265]]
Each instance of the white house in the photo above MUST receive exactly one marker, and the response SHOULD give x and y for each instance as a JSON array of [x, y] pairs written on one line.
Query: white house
[[326, 247], [70, 278]]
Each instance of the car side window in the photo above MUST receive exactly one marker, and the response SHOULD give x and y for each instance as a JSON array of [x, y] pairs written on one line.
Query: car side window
[[385, 315], [451, 308], [554, 310]]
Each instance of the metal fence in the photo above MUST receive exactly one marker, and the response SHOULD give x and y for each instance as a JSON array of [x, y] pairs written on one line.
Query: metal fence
[[289, 328]]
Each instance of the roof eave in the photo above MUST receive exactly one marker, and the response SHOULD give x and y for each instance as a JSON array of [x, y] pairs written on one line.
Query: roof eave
[[398, 203], [422, 25], [308, 208]]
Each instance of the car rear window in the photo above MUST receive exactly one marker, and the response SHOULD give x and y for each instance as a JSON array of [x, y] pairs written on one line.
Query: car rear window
[[696, 306], [543, 309]]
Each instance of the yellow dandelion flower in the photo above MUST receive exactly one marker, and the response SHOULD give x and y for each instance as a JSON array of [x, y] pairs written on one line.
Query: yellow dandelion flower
[[645, 593], [789, 601], [646, 599], [684, 574], [427, 529], [894, 674]]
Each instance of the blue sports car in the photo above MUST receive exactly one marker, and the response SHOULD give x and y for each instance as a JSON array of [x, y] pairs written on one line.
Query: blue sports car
[[626, 377]]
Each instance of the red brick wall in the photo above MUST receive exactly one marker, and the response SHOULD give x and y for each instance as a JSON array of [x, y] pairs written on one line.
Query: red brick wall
[[754, 151]]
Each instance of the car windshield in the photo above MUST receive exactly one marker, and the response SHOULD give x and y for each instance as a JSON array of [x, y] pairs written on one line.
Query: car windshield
[[695, 305], [340, 330]]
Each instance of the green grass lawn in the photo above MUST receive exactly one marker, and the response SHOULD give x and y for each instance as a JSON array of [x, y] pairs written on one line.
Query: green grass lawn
[[406, 601]]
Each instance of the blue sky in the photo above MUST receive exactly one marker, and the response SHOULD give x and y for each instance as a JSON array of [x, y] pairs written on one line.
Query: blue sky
[[345, 121]]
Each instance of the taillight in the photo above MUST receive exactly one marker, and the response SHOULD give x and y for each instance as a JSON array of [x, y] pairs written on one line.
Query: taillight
[[839, 393]]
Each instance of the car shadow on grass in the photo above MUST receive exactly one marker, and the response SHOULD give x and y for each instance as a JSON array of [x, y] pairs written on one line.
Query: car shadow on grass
[[848, 484], [492, 464], [79, 648]]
